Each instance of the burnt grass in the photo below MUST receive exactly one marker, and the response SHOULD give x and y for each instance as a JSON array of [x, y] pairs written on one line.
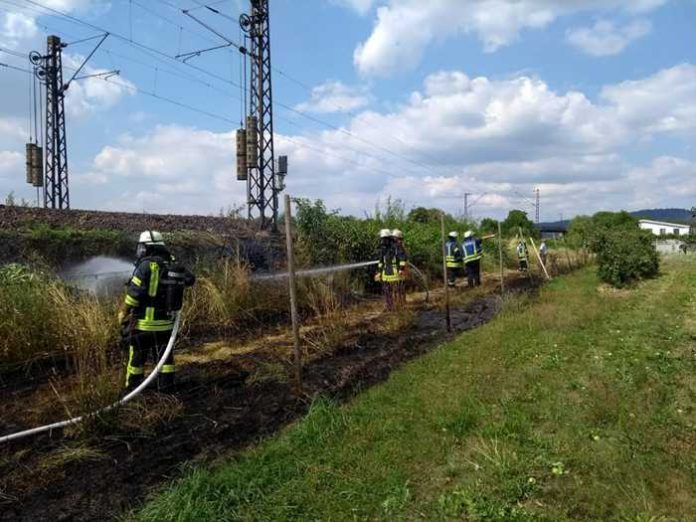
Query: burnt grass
[[222, 410]]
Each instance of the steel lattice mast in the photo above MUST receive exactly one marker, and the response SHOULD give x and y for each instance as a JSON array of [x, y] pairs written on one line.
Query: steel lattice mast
[[262, 191], [56, 190]]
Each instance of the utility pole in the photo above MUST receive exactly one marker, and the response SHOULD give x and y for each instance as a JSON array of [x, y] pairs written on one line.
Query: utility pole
[[258, 167], [50, 70], [536, 206], [466, 205]]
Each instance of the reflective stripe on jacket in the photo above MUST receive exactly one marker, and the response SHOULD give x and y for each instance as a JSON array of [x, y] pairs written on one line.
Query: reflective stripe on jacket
[[472, 249], [146, 296], [388, 264], [522, 251], [453, 255]]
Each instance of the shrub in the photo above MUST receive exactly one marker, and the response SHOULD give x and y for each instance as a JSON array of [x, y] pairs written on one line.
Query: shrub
[[626, 254]]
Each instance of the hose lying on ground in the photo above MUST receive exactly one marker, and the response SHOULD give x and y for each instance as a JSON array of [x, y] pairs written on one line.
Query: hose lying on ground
[[120, 402]]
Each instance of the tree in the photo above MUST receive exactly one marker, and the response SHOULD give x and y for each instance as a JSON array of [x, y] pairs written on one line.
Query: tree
[[424, 215], [488, 226], [517, 220]]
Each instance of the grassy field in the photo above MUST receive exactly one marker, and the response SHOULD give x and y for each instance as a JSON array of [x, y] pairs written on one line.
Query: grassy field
[[576, 405]]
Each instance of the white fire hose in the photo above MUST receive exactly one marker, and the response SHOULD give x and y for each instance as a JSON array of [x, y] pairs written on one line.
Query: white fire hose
[[120, 402]]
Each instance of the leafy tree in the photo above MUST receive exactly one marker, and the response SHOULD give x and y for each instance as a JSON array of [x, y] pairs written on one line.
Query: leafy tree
[[424, 215], [517, 220], [488, 226]]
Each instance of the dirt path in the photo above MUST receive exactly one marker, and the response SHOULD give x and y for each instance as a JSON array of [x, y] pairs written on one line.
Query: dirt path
[[216, 410]]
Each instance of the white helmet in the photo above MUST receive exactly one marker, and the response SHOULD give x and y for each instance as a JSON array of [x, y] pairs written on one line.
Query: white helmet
[[468, 234], [453, 234], [151, 237], [385, 232], [397, 233]]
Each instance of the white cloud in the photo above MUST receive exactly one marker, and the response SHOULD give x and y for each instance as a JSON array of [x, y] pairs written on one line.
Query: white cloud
[[184, 169], [334, 96], [461, 134], [15, 28], [605, 38], [663, 102], [361, 6], [11, 164], [87, 96], [404, 28]]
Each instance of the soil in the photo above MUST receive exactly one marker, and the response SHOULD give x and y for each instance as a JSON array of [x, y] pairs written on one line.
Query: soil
[[220, 409]]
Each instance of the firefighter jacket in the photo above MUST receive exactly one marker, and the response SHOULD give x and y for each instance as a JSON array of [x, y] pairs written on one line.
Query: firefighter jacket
[[472, 249], [147, 295], [389, 263], [521, 251], [453, 254]]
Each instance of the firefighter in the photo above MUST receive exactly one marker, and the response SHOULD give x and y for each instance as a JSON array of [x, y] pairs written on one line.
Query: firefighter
[[472, 252], [387, 267], [402, 257], [522, 257], [147, 314], [453, 258]]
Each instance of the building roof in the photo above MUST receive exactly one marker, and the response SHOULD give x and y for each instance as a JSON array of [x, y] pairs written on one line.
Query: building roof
[[665, 223]]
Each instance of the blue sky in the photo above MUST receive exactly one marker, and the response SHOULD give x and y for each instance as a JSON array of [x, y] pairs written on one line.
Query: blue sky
[[592, 101]]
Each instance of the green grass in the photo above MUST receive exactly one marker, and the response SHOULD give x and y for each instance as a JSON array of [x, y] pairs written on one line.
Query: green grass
[[578, 405]]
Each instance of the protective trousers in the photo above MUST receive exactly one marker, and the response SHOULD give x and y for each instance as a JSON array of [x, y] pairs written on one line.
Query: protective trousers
[[141, 344], [452, 273], [473, 273], [389, 289]]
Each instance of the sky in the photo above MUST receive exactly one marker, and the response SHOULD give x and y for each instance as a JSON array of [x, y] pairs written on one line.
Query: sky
[[593, 102]]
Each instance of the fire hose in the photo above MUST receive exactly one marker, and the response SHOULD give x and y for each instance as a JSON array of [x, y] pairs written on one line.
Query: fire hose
[[120, 402]]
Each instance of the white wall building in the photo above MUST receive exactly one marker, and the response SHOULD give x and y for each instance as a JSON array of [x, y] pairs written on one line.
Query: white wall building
[[662, 228]]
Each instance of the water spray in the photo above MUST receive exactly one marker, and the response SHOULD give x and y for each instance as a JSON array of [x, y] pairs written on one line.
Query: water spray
[[120, 402]]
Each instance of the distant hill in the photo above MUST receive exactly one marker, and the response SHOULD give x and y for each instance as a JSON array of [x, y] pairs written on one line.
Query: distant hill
[[671, 215]]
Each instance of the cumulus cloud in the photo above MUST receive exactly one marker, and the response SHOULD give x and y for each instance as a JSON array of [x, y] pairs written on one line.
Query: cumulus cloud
[[607, 39], [334, 96], [15, 28], [87, 96], [458, 134], [662, 102], [404, 28], [184, 169]]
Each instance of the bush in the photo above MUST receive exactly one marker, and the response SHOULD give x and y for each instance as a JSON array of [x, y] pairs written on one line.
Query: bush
[[625, 255]]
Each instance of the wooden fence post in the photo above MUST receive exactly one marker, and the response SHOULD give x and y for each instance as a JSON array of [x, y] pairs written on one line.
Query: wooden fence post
[[293, 295], [444, 274], [500, 254], [539, 258]]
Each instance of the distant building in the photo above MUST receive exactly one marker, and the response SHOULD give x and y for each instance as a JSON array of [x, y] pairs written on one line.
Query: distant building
[[663, 228]]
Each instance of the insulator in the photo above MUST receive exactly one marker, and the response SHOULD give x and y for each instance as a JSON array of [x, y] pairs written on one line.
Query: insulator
[[252, 134], [280, 181], [37, 168], [283, 165], [242, 165], [30, 148]]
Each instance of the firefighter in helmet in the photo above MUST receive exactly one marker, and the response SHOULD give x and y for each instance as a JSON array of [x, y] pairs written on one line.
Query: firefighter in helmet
[[154, 293], [387, 267]]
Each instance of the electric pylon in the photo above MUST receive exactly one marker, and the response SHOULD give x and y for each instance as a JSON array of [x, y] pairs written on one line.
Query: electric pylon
[[50, 71], [262, 185]]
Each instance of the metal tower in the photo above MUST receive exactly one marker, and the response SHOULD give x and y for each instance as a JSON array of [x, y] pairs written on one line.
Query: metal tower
[[50, 70], [536, 205], [262, 188]]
